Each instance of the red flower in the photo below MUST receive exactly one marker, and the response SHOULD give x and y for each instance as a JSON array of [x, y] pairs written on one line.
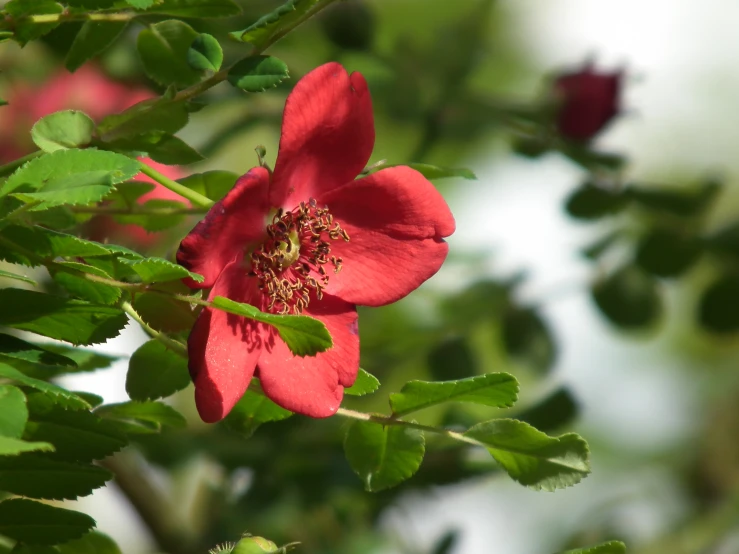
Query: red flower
[[309, 239], [589, 100]]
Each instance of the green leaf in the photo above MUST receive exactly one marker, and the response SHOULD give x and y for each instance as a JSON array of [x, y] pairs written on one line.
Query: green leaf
[[629, 298], [251, 411], [69, 177], [158, 220], [47, 244], [163, 50], [92, 543], [258, 73], [140, 4], [196, 8], [84, 288], [59, 318], [205, 53], [26, 30], [592, 160], [499, 390], [269, 27], [92, 39], [77, 435], [531, 457], [304, 336], [433, 172], [141, 417], [40, 477], [86, 360], [680, 202], [717, 311], [63, 396], [62, 130], [591, 201], [611, 547], [12, 447], [164, 314], [10, 275], [668, 252], [155, 372], [725, 242], [157, 270], [161, 147], [365, 384], [526, 337], [213, 184], [156, 114], [13, 412], [383, 457], [35, 523]]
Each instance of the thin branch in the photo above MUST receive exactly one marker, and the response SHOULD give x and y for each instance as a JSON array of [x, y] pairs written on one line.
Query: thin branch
[[194, 197], [176, 346]]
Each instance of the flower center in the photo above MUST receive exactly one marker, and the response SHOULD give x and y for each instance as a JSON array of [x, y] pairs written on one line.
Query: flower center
[[289, 265]]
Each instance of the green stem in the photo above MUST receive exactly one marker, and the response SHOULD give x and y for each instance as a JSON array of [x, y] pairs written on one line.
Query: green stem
[[388, 420], [174, 345], [10, 167], [68, 17], [194, 197]]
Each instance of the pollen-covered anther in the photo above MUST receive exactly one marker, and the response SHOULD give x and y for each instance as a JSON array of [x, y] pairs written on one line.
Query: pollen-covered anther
[[289, 265]]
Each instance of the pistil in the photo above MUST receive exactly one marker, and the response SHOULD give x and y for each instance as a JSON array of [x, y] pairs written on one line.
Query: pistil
[[290, 265]]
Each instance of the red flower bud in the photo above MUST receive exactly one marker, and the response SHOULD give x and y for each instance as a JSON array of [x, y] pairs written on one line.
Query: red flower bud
[[588, 101]]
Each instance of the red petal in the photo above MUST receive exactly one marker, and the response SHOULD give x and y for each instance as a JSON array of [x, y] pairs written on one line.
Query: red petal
[[228, 227], [328, 133], [223, 348], [396, 220], [314, 386]]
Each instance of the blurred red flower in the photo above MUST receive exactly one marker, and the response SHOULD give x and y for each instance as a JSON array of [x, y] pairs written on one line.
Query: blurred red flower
[[91, 91], [309, 238], [589, 100]]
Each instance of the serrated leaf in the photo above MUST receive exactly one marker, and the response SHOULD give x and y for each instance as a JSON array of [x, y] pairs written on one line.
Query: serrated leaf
[[160, 146], [303, 335], [213, 184], [83, 288], [258, 73], [196, 8], [92, 543], [93, 38], [155, 372], [157, 270], [10, 446], [62, 130], [163, 50], [38, 476], [63, 396], [611, 547], [10, 275], [433, 172], [139, 417], [36, 523], [47, 244], [366, 383], [77, 435], [251, 411], [69, 177], [25, 29], [205, 53], [13, 412], [140, 4], [164, 313], [74, 321], [499, 390], [86, 360], [262, 31], [383, 457], [531, 457]]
